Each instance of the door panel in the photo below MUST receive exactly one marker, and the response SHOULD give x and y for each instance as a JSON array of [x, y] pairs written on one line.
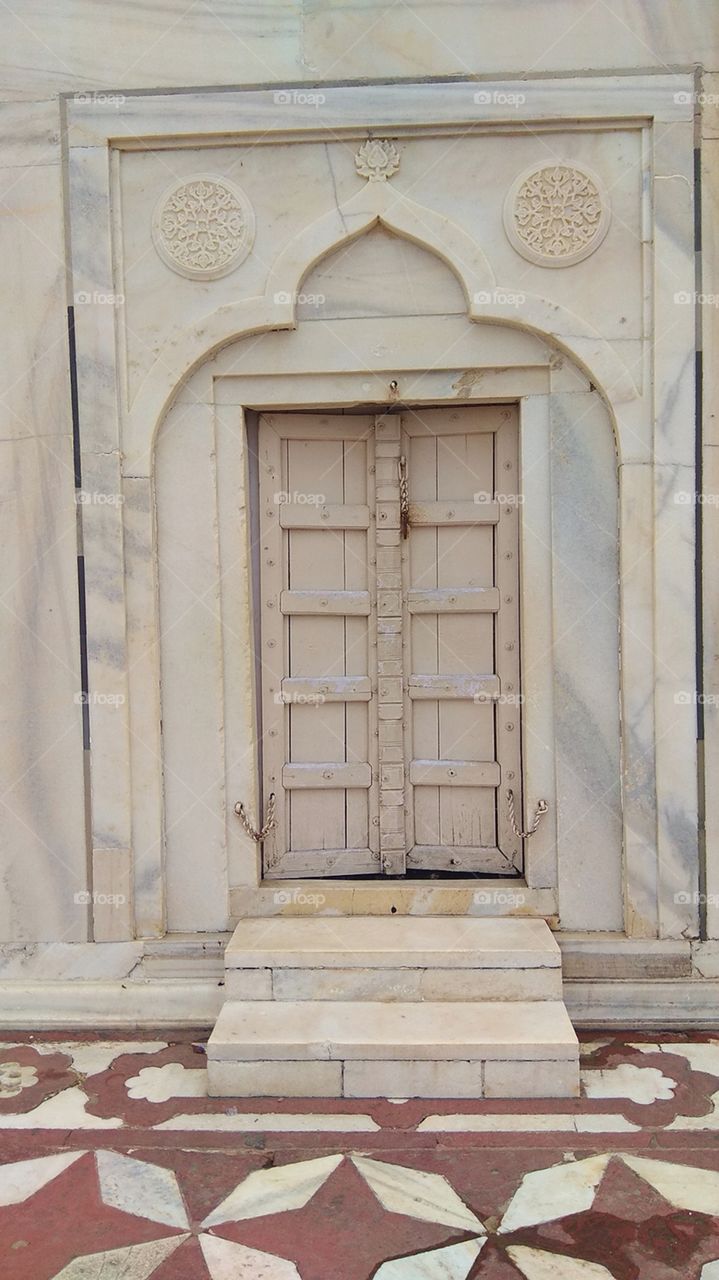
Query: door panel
[[460, 584], [317, 617], [390, 665]]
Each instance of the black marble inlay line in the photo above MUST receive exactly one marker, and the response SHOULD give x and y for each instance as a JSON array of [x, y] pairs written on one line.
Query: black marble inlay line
[[74, 397]]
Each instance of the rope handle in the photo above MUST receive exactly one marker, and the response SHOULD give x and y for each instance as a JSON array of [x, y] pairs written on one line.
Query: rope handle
[[539, 813], [403, 497], [270, 820]]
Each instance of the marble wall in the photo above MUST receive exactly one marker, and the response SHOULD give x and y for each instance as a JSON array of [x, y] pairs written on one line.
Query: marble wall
[[55, 57]]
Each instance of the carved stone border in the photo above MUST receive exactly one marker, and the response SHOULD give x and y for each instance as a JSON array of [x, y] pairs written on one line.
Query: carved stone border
[[659, 784]]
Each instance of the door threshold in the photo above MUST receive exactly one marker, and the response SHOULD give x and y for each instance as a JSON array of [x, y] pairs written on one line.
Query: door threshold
[[468, 896]]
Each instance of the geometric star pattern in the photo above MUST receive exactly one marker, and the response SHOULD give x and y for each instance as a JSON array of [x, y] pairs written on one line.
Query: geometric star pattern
[[147, 1191], [116, 1165]]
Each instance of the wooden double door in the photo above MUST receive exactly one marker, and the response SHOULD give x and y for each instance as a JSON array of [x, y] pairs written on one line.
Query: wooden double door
[[388, 641]]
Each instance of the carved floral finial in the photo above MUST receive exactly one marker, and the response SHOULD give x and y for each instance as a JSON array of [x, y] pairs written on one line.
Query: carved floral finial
[[377, 159]]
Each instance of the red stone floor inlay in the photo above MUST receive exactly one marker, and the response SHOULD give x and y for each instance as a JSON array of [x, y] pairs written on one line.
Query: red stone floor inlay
[[115, 1165]]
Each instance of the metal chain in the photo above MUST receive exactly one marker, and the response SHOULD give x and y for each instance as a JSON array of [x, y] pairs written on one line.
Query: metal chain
[[270, 820], [403, 497], [541, 809]]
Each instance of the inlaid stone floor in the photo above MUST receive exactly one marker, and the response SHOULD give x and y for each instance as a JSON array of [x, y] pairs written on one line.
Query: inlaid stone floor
[[116, 1166]]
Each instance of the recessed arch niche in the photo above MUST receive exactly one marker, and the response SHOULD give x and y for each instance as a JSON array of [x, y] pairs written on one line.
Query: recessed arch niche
[[375, 310]]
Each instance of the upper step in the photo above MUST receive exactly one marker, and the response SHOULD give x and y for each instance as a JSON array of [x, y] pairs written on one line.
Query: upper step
[[398, 942]]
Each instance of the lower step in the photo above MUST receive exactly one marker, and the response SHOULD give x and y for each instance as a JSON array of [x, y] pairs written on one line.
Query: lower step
[[339, 1049]]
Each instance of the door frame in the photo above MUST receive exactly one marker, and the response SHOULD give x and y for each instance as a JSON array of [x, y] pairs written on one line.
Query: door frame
[[536, 891], [265, 473]]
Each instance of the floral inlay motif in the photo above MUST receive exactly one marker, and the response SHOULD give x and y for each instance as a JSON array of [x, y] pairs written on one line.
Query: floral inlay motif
[[377, 159], [204, 227], [556, 215]]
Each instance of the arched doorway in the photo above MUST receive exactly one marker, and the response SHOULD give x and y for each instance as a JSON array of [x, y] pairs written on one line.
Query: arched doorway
[[351, 344]]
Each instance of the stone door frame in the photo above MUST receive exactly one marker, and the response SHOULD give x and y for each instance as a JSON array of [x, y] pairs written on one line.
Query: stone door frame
[[653, 423]]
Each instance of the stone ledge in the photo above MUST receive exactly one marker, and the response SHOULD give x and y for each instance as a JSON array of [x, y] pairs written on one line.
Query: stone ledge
[[366, 942], [651, 1004], [611, 955], [317, 1030]]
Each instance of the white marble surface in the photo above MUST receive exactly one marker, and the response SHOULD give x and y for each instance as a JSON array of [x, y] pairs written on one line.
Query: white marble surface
[[190, 640], [554, 1193], [22, 1178], [539, 1264], [262, 1122], [585, 658], [454, 1262], [158, 1084], [65, 1110], [139, 1188], [696, 1190], [42, 842], [640, 1084], [417, 1194], [541, 37], [47, 770], [87, 49], [132, 1262], [227, 1260], [275, 1190], [335, 1030], [370, 941]]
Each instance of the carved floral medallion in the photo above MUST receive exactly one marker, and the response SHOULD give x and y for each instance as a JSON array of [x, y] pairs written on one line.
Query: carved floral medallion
[[377, 159], [556, 215], [203, 227]]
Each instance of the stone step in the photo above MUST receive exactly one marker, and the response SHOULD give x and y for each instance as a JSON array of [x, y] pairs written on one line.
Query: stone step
[[373, 1049], [392, 959]]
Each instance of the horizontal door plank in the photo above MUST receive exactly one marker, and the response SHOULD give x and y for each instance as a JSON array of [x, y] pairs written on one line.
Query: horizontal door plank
[[464, 687], [454, 773], [326, 775], [301, 515], [325, 602], [327, 689], [320, 862], [448, 857], [454, 600], [449, 513], [320, 426]]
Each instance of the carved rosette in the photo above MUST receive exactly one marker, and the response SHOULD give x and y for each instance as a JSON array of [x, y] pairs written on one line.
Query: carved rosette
[[203, 227], [556, 215], [377, 159]]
